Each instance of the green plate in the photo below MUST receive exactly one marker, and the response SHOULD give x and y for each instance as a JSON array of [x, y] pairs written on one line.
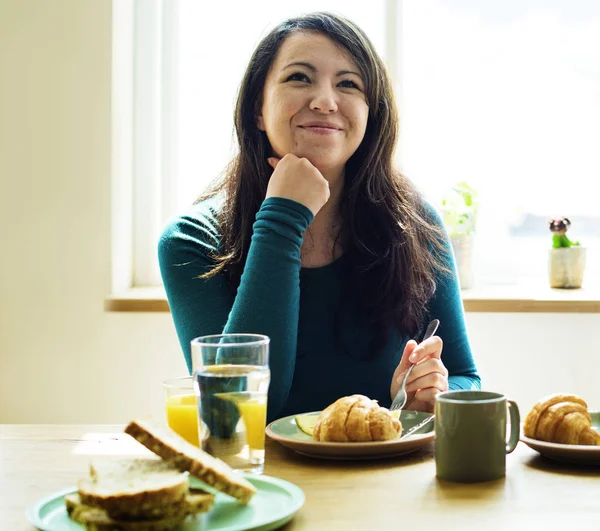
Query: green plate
[[274, 504], [286, 432], [569, 453]]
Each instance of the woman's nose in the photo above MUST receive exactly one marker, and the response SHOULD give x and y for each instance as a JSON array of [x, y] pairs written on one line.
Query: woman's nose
[[323, 100]]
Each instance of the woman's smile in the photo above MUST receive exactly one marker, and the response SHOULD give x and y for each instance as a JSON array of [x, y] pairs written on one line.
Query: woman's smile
[[320, 128]]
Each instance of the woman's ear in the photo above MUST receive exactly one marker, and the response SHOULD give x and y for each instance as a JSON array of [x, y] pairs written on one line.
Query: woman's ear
[[260, 122]]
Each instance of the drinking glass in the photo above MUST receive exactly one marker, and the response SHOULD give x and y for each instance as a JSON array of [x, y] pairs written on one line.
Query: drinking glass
[[231, 373], [181, 408]]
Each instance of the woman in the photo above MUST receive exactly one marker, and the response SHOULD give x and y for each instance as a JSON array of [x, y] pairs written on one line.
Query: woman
[[312, 237]]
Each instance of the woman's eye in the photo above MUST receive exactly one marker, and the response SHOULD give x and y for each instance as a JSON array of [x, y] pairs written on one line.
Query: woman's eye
[[298, 76], [348, 83]]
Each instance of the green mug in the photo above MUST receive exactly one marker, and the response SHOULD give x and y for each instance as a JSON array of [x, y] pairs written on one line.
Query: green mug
[[470, 435]]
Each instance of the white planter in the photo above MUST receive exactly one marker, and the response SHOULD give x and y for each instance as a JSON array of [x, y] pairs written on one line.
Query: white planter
[[566, 266], [463, 254]]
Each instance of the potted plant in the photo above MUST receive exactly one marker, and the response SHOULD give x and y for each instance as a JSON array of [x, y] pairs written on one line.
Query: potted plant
[[566, 260], [459, 213]]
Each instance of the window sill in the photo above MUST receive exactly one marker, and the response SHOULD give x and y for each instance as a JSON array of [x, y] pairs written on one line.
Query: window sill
[[147, 299], [533, 297]]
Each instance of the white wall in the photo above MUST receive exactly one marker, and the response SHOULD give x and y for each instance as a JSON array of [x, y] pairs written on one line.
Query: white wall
[[62, 358], [528, 356]]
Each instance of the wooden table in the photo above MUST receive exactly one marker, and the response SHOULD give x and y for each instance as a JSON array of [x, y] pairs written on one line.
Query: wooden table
[[400, 493]]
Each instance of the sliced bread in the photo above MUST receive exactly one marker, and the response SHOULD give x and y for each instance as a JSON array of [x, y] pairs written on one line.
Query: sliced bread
[[187, 457], [95, 518], [135, 488], [199, 501]]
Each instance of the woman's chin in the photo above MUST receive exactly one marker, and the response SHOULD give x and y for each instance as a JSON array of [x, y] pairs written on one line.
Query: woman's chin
[[323, 163]]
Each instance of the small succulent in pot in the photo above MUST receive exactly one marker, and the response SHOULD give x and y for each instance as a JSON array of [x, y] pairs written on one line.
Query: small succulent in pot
[[558, 227], [566, 263]]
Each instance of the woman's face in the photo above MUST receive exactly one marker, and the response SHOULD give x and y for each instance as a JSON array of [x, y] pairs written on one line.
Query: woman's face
[[314, 102]]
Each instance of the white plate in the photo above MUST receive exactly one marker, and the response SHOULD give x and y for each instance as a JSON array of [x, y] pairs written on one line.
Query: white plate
[[569, 453], [286, 432]]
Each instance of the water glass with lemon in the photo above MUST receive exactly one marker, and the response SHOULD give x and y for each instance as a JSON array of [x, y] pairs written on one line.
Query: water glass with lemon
[[232, 377]]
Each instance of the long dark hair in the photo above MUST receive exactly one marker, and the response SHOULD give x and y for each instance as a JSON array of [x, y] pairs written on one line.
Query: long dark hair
[[393, 247]]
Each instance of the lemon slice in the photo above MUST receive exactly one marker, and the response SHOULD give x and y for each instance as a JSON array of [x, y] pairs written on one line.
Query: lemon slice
[[307, 423]]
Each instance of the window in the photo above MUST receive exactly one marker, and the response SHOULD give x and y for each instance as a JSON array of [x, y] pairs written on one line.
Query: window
[[506, 95], [190, 58], [503, 95]]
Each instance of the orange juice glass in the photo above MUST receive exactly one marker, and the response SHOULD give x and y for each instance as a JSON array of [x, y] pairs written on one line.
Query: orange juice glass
[[181, 408]]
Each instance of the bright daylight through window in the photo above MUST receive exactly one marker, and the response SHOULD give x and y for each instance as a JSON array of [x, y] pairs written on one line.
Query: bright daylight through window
[[503, 96]]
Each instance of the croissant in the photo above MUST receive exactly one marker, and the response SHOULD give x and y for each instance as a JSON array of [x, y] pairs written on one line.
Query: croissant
[[356, 418], [561, 418]]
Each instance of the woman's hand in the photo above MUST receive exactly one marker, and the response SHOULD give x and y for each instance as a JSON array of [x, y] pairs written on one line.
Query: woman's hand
[[297, 179], [427, 379]]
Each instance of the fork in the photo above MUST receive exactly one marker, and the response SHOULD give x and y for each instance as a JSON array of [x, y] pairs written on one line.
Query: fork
[[400, 398]]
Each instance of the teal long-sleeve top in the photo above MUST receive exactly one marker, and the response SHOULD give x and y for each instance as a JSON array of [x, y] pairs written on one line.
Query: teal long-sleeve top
[[314, 359]]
